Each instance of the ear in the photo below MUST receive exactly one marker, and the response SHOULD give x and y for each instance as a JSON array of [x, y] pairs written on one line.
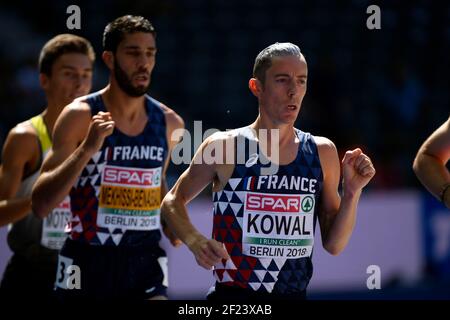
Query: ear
[[108, 59], [255, 86], [44, 81]]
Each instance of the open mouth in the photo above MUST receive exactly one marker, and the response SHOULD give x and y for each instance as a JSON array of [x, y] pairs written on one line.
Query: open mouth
[[292, 107], [141, 77]]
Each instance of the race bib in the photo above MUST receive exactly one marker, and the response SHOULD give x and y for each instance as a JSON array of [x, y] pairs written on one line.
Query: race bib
[[55, 227], [278, 225], [130, 198]]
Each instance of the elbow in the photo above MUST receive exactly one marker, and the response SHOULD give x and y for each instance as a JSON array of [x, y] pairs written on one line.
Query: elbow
[[171, 206], [333, 249], [38, 210], [167, 203], [416, 165], [166, 200], [172, 198], [425, 161], [419, 168], [38, 206]]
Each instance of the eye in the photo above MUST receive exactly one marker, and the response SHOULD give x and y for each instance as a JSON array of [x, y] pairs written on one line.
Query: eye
[[133, 53], [68, 73]]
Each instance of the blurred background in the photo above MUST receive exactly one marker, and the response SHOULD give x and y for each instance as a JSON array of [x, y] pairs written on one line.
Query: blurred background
[[382, 90]]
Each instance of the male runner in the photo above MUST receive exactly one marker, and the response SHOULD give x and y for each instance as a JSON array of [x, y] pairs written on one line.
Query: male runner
[[264, 219], [111, 152], [65, 66]]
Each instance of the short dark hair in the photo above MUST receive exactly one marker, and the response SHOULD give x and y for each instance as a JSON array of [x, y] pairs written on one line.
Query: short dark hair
[[61, 44], [115, 31], [264, 59]]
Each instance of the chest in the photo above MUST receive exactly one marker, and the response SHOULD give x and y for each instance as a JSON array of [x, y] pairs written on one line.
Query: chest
[[132, 127]]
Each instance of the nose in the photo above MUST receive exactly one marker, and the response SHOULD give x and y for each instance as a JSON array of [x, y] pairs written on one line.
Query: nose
[[293, 89], [82, 81], [78, 80], [144, 62]]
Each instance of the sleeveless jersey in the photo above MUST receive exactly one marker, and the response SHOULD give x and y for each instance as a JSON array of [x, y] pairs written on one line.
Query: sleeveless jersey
[[267, 222], [32, 236], [116, 199]]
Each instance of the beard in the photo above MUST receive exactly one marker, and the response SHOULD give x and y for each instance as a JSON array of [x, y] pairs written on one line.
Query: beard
[[125, 82]]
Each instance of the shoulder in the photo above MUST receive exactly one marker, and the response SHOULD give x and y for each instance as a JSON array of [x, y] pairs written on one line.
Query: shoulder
[[22, 141], [221, 136], [23, 130], [221, 144], [23, 133], [72, 123], [327, 152], [173, 120], [174, 124], [324, 144], [79, 106], [78, 110]]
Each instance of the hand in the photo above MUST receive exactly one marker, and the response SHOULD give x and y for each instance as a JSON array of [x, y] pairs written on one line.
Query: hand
[[357, 169], [101, 126], [208, 252]]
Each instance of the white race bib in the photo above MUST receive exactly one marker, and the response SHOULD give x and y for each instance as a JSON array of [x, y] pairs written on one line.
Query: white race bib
[[130, 198], [278, 225], [55, 227]]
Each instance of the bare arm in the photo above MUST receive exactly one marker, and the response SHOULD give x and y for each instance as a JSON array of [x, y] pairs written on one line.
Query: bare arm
[[430, 162], [206, 251], [175, 124], [76, 138], [18, 152], [338, 215]]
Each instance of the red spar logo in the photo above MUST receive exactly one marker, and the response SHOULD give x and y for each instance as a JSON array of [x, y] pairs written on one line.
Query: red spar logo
[[131, 177], [275, 203]]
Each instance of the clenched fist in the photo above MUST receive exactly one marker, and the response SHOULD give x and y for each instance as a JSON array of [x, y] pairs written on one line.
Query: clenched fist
[[102, 125], [357, 169]]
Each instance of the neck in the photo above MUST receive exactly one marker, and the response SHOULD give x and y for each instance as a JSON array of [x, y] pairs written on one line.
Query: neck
[[121, 104], [51, 113], [286, 131]]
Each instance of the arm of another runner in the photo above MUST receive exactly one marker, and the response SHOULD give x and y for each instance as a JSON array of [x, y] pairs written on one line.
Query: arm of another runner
[[207, 252], [338, 215], [430, 163], [20, 145], [76, 138], [175, 128]]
